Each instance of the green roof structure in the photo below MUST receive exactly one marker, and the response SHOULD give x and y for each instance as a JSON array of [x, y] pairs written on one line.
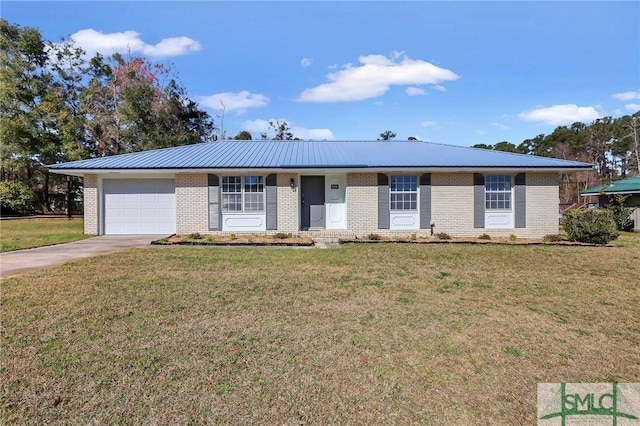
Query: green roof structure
[[630, 185]]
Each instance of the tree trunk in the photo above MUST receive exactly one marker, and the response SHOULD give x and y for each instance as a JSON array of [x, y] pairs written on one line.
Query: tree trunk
[[69, 197], [46, 205]]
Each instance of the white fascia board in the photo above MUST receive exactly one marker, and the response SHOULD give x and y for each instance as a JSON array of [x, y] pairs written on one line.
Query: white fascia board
[[117, 174], [485, 169]]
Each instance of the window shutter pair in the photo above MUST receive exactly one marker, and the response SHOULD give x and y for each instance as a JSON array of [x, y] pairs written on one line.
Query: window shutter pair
[[271, 203], [384, 214], [519, 202]]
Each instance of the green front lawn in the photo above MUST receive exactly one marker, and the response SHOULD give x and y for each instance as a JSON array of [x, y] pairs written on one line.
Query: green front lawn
[[18, 234], [363, 334]]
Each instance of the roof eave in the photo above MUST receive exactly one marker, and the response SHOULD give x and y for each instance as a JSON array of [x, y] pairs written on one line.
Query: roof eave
[[293, 169], [625, 192]]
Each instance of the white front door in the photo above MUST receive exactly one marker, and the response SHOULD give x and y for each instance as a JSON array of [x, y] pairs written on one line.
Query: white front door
[[335, 191]]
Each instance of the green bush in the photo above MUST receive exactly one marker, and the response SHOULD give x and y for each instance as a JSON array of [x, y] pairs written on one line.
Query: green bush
[[17, 197], [443, 236], [621, 213], [484, 237], [373, 237], [596, 226], [195, 236]]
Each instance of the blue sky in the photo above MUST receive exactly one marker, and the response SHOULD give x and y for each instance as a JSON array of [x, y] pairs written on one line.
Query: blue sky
[[458, 73]]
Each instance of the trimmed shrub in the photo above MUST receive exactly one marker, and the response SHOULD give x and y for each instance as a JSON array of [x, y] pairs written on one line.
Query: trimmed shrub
[[484, 237], [373, 237], [552, 238], [281, 236], [443, 236], [195, 236], [596, 226]]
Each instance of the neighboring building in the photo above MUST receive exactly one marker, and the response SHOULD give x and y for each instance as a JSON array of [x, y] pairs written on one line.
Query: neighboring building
[[329, 188], [629, 187]]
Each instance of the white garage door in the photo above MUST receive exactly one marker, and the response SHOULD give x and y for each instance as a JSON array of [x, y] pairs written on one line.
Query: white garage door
[[139, 206]]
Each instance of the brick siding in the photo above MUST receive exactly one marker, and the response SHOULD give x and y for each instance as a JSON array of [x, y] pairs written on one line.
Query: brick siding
[[91, 205], [288, 204], [192, 203], [362, 203], [451, 201]]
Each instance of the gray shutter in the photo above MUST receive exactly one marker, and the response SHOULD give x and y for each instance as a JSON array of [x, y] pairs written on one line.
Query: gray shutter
[[478, 200], [425, 201], [520, 202], [215, 214], [384, 220], [271, 202]]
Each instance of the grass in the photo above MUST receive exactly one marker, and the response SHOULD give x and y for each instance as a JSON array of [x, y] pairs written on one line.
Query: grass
[[363, 334], [18, 234]]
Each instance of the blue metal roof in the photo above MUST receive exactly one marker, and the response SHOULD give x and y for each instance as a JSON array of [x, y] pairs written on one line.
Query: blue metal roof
[[316, 154]]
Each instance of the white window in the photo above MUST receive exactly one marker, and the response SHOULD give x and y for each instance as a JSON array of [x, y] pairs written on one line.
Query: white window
[[404, 193], [242, 194], [497, 192]]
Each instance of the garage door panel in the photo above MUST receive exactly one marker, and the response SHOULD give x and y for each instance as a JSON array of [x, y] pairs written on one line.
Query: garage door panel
[[165, 214], [129, 213], [146, 214], [142, 206], [149, 199], [166, 198]]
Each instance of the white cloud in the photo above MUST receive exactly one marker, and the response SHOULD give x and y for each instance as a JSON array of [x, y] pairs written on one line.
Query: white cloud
[[374, 77], [415, 91], [312, 134], [306, 62], [333, 67], [429, 123], [633, 107], [440, 88], [93, 41], [627, 96], [238, 102], [500, 126], [559, 115], [258, 126], [481, 132]]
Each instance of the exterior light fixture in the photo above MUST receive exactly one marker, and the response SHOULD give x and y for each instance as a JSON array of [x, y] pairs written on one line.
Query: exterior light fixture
[[433, 225], [292, 183]]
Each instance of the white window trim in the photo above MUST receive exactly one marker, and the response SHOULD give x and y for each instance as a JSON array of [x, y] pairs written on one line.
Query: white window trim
[[510, 192], [391, 209], [242, 193]]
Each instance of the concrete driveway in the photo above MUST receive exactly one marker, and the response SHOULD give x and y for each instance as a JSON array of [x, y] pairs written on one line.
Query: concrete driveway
[[20, 261]]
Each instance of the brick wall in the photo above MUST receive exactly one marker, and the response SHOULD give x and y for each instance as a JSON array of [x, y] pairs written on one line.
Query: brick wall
[[543, 198], [452, 206], [91, 205], [192, 203], [362, 203], [288, 204]]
